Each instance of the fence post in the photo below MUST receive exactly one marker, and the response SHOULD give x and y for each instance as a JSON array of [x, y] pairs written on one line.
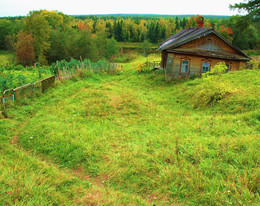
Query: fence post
[[57, 70], [4, 96]]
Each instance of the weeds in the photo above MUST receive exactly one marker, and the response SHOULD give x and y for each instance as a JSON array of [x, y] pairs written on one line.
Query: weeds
[[137, 139]]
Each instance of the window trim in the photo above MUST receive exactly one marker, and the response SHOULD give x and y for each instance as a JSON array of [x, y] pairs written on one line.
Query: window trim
[[230, 65], [189, 61], [206, 61]]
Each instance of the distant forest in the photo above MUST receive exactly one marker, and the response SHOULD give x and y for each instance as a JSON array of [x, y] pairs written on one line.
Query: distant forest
[[51, 35]]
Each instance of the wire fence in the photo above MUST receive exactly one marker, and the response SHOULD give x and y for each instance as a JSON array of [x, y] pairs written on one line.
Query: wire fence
[[27, 90], [40, 87]]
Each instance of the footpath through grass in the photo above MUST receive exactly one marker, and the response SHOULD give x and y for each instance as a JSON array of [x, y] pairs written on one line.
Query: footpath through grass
[[132, 139]]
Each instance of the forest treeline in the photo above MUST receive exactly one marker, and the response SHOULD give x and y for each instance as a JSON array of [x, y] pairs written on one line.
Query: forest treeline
[[47, 36]]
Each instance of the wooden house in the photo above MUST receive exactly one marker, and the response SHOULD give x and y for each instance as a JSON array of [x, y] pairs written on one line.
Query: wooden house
[[194, 51]]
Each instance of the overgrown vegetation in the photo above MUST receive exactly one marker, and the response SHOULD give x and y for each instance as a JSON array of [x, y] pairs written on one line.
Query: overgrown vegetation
[[133, 139], [12, 76]]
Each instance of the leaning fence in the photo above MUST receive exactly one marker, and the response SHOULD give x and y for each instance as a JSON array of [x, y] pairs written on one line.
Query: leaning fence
[[40, 87], [26, 90]]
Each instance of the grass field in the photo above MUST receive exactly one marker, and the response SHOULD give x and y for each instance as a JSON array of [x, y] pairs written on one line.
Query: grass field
[[133, 139]]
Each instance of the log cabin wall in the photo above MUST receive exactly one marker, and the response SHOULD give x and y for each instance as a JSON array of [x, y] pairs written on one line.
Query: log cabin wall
[[195, 65]]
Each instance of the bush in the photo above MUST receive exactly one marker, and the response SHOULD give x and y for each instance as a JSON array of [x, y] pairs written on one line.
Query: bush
[[125, 58], [213, 88], [253, 64], [143, 68]]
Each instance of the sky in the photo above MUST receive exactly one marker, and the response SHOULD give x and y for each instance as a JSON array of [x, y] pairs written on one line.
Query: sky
[[79, 7]]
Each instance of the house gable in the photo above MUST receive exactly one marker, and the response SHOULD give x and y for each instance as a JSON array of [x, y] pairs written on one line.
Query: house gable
[[197, 38], [209, 42]]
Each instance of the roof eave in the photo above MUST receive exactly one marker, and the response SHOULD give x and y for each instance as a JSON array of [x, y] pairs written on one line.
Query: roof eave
[[208, 55]]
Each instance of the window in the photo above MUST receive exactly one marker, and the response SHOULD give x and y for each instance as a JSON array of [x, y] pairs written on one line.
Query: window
[[205, 67], [184, 66], [228, 68]]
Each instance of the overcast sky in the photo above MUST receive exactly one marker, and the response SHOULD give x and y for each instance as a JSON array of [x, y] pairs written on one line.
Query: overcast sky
[[70, 7]]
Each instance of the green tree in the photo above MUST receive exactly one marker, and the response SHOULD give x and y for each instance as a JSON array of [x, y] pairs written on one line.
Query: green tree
[[252, 7], [146, 46], [247, 26], [112, 49], [40, 30], [58, 46], [82, 45], [8, 29]]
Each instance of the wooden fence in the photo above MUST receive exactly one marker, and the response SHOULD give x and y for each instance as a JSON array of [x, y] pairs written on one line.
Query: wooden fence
[[41, 86], [26, 90]]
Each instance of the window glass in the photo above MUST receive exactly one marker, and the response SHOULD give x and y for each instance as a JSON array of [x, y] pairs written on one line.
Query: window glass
[[228, 68], [185, 66], [205, 67]]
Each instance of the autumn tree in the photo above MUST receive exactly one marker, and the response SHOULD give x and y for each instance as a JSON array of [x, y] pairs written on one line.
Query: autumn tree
[[197, 21], [25, 49], [225, 32]]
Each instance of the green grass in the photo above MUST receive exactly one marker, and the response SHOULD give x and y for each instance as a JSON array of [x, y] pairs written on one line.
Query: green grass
[[7, 57], [135, 45], [133, 139]]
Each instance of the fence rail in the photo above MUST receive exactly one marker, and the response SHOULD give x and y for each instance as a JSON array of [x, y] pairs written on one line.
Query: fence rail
[[41, 86], [153, 64], [26, 90]]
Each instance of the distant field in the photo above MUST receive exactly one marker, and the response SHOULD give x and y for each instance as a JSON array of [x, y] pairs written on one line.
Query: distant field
[[135, 45], [133, 139]]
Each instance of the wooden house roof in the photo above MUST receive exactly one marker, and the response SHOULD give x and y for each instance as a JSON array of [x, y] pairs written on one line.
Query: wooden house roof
[[189, 34]]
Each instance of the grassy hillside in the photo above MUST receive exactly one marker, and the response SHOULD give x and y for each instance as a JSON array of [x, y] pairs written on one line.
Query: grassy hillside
[[133, 139]]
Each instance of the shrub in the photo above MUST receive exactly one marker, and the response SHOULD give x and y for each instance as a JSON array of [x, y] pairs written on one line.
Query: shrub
[[213, 88], [25, 49], [143, 68], [125, 58]]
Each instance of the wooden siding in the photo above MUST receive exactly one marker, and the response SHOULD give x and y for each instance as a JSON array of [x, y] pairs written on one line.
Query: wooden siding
[[209, 42], [195, 65]]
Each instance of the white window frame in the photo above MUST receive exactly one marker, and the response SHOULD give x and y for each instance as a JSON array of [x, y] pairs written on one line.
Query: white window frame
[[186, 66]]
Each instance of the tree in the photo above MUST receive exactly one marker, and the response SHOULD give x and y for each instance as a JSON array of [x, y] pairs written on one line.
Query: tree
[[58, 46], [252, 7], [225, 32], [248, 23], [146, 45], [25, 49], [81, 44], [243, 38], [112, 49], [195, 21], [8, 29], [39, 28]]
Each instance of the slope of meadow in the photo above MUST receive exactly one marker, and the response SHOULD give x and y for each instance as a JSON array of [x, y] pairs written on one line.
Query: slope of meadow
[[132, 139]]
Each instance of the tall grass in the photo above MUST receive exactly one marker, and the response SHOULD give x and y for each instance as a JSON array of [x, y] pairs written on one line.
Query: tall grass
[[138, 140]]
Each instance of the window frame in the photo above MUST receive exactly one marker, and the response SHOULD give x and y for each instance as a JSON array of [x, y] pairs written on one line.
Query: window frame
[[230, 66], [181, 63], [205, 61]]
